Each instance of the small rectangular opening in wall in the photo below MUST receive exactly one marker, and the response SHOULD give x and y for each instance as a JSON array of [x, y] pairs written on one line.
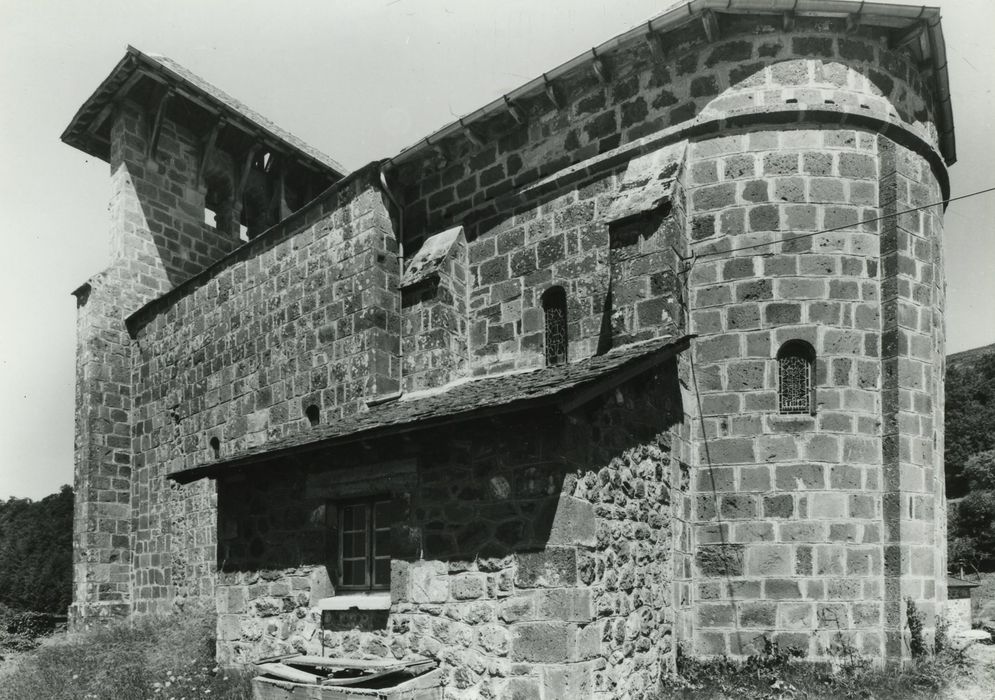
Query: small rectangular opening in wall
[[243, 232], [210, 217]]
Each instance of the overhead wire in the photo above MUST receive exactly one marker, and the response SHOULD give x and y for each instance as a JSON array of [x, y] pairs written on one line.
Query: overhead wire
[[722, 253]]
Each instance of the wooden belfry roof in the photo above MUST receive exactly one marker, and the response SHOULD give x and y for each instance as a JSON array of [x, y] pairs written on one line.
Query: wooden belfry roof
[[139, 75]]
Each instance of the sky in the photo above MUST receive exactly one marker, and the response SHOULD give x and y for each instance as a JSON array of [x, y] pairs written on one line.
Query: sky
[[359, 80]]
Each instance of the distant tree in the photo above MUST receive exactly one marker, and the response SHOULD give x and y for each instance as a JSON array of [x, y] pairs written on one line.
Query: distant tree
[[970, 413], [36, 552], [979, 471], [971, 530]]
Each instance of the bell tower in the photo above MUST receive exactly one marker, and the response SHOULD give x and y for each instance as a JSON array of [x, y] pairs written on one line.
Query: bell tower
[[194, 173]]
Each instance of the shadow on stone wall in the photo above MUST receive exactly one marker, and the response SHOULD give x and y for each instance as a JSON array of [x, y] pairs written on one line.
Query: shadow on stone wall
[[482, 489]]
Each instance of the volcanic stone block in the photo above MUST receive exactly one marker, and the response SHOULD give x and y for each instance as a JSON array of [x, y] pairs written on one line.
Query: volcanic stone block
[[550, 568], [769, 560], [574, 523], [542, 642]]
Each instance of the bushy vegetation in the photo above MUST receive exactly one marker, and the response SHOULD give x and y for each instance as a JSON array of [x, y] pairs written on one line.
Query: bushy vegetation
[[779, 674], [971, 519], [970, 459], [21, 630], [970, 413], [36, 549], [169, 658]]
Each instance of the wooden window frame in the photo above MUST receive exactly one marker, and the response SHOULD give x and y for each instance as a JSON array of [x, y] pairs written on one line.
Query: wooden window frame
[[371, 556]]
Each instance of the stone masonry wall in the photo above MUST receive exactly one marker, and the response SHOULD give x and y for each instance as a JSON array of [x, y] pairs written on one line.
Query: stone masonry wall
[[755, 67], [552, 563], [515, 258], [102, 521], [534, 556], [305, 316], [435, 324], [789, 540], [158, 233], [157, 239], [912, 360], [826, 523], [532, 196], [805, 532]]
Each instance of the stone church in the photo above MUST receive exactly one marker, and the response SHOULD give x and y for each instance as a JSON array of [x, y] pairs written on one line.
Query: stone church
[[644, 356]]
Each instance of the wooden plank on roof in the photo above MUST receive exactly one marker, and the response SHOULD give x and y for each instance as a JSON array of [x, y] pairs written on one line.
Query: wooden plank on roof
[[330, 662], [288, 673], [412, 669]]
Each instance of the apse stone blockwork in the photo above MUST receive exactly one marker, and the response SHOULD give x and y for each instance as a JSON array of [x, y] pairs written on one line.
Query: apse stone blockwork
[[647, 355]]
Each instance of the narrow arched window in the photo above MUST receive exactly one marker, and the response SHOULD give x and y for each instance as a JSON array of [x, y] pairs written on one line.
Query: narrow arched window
[[554, 307], [796, 377]]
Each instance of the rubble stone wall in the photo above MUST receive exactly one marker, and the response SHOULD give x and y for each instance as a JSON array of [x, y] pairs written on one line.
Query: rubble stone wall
[[538, 560]]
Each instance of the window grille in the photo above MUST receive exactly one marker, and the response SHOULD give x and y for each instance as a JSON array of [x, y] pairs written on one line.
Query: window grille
[[796, 378], [554, 306]]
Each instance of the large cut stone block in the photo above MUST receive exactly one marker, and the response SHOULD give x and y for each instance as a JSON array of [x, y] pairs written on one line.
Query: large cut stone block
[[573, 523], [428, 583], [567, 604], [543, 642], [550, 568], [769, 560]]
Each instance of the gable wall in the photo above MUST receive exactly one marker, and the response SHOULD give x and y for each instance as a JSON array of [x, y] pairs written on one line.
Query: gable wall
[[307, 316]]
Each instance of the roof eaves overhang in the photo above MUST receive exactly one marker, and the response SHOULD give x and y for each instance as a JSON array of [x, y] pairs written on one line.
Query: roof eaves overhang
[[876, 13], [81, 131], [564, 402]]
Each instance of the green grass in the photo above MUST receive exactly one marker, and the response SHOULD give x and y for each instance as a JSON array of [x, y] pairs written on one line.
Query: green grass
[[169, 658], [777, 675]]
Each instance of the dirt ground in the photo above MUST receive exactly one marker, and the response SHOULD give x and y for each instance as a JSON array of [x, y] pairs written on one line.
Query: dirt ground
[[978, 682]]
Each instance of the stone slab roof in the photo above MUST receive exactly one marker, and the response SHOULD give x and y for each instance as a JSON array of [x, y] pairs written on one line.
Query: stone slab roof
[[648, 182], [429, 258], [563, 387], [81, 132], [897, 20]]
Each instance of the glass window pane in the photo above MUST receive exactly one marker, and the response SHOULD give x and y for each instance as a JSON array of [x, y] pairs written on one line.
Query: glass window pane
[[381, 572], [381, 544], [354, 573], [356, 517], [356, 546], [364, 544]]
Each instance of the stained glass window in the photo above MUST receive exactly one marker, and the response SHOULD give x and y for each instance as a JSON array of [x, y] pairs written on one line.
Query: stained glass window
[[795, 377], [364, 545], [554, 306]]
